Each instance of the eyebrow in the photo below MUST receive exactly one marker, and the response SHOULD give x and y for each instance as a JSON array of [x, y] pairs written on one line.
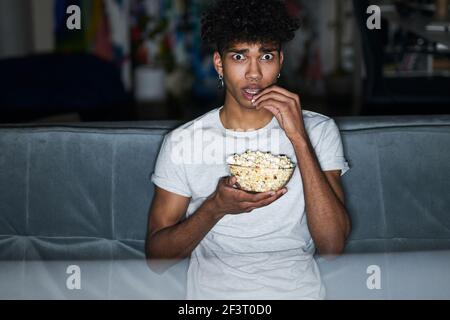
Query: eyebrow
[[242, 51]]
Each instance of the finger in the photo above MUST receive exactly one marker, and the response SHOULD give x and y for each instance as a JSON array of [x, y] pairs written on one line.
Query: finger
[[273, 95], [275, 197], [246, 197], [231, 180], [273, 102], [263, 202], [234, 183], [223, 181], [279, 90], [265, 91]]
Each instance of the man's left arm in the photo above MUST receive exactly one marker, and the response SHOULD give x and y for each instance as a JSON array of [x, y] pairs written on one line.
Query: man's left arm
[[327, 217]]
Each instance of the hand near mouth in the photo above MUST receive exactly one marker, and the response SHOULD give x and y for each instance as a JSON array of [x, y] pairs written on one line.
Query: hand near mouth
[[285, 106]]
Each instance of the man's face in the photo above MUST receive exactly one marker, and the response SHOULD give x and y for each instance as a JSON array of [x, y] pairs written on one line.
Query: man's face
[[247, 69]]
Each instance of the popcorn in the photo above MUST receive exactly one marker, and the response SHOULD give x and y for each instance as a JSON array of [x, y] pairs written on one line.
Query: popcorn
[[258, 171], [260, 159]]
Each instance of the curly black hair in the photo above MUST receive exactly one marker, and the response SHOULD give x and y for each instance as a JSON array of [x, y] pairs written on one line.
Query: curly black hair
[[253, 21]]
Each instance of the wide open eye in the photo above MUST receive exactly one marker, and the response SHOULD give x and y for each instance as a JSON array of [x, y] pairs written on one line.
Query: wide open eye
[[238, 57], [267, 56]]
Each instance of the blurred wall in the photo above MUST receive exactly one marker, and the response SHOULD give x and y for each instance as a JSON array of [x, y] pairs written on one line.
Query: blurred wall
[[15, 28], [42, 25], [26, 26], [327, 21]]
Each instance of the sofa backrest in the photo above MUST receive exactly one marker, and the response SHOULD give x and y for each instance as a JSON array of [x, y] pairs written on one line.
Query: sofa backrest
[[398, 187], [89, 184], [82, 191]]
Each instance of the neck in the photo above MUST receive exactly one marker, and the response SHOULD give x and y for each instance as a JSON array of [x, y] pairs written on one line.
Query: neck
[[236, 117]]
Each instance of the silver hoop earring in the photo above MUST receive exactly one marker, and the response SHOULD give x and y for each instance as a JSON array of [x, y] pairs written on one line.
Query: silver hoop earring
[[221, 84], [279, 76]]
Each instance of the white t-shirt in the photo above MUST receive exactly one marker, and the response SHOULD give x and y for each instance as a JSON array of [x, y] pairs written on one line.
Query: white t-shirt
[[264, 254]]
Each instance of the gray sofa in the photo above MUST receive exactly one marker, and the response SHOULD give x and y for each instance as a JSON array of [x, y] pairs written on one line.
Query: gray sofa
[[78, 195]]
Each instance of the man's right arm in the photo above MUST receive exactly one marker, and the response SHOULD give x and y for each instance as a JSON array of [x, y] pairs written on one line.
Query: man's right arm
[[170, 239]]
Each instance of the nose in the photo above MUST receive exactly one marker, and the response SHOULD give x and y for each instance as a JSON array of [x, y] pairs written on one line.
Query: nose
[[254, 71]]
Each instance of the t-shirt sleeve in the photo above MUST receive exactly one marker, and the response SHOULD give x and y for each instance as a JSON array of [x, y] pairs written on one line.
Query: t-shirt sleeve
[[331, 152], [170, 174]]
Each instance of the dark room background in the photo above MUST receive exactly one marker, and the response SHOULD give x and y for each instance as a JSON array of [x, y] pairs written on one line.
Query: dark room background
[[143, 60]]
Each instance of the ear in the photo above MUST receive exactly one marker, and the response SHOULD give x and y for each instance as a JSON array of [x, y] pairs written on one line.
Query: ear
[[218, 63], [281, 58]]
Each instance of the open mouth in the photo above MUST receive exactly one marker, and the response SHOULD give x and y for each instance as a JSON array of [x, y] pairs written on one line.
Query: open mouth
[[250, 93]]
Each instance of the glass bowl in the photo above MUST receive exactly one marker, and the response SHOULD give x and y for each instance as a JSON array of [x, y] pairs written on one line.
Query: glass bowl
[[260, 179]]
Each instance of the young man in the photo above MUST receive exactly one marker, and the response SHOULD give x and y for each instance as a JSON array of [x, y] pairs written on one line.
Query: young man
[[243, 245]]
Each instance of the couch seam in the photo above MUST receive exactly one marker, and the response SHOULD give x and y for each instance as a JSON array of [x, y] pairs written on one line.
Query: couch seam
[[381, 127], [397, 238], [138, 131], [381, 195], [112, 187], [68, 237]]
